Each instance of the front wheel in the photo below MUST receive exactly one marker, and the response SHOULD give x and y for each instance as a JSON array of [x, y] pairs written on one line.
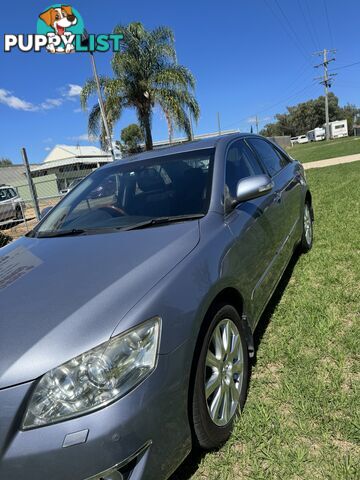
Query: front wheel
[[18, 214], [221, 379], [308, 230]]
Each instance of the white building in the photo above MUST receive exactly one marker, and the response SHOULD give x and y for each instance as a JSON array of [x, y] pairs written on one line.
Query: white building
[[66, 163]]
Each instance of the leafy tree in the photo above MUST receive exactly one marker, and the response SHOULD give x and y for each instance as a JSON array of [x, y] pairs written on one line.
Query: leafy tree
[[351, 113], [131, 138], [305, 116], [146, 75], [5, 162]]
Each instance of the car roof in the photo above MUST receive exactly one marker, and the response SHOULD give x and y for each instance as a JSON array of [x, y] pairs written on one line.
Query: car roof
[[185, 147]]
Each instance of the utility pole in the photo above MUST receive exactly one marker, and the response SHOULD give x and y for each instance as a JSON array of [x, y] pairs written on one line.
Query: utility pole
[[257, 124], [219, 125], [32, 189], [85, 41], [102, 107], [326, 80]]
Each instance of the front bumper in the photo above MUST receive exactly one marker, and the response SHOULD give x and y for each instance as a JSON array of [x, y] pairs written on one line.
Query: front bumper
[[150, 425]]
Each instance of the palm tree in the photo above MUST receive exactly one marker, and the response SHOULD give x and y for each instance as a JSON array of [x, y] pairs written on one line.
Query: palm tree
[[146, 74]]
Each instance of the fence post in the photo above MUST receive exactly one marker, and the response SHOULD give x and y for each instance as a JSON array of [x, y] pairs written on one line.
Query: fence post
[[31, 183]]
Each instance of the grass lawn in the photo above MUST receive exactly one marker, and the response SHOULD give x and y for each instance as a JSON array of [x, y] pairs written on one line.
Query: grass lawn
[[309, 152], [301, 419]]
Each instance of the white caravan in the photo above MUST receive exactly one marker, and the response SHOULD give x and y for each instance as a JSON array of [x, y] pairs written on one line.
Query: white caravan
[[338, 129], [316, 135]]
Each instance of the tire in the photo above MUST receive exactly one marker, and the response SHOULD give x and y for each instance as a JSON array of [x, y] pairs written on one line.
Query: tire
[[212, 429], [307, 237], [18, 213]]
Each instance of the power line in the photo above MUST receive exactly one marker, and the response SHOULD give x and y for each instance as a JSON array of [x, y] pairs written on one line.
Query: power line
[[328, 24], [307, 23], [288, 29], [294, 95], [310, 16], [345, 66]]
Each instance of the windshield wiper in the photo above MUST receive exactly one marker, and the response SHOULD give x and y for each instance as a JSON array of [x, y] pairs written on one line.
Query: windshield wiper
[[61, 233], [162, 221]]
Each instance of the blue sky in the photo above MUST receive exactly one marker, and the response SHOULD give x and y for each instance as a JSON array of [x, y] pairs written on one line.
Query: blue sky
[[249, 58]]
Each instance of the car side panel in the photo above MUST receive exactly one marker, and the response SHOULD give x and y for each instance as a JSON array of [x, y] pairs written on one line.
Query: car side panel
[[6, 209]]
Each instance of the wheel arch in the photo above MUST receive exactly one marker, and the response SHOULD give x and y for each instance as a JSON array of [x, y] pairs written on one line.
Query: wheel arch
[[308, 198], [227, 296]]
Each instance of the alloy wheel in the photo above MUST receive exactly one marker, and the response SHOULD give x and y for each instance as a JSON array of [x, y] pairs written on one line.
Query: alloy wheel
[[224, 372], [307, 224]]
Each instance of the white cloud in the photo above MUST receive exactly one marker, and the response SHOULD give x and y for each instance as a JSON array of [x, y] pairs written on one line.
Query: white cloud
[[83, 138], [253, 119], [73, 90], [48, 140], [77, 110], [51, 103], [47, 149], [16, 103]]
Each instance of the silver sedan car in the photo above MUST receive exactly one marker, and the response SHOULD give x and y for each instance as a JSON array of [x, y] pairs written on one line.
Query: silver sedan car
[[128, 313], [12, 207]]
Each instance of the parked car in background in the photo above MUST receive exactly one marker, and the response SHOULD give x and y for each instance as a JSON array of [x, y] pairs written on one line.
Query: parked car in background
[[127, 330], [316, 135], [72, 185], [12, 207], [302, 139]]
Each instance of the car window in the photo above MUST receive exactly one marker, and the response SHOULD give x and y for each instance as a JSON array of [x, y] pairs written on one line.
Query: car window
[[284, 159], [240, 163], [12, 193], [122, 195], [8, 194], [2, 195], [267, 154]]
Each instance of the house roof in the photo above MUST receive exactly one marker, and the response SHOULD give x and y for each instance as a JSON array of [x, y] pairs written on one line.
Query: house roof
[[65, 152], [12, 175], [70, 161]]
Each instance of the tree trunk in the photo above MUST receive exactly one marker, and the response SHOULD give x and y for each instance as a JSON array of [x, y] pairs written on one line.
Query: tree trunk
[[170, 127], [145, 122]]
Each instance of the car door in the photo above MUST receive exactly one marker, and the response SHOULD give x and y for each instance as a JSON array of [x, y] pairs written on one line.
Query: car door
[[293, 180], [12, 195], [5, 204], [283, 214], [252, 226]]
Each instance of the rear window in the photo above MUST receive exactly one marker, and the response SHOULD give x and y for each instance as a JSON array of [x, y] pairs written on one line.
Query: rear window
[[267, 154]]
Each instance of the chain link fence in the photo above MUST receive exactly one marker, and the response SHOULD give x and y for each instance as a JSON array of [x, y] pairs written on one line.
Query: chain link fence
[[25, 191]]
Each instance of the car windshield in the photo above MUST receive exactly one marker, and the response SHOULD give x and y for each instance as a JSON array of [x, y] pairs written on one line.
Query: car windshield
[[134, 195]]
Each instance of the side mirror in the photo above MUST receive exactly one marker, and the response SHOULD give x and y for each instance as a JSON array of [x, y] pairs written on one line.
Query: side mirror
[[44, 212], [252, 187]]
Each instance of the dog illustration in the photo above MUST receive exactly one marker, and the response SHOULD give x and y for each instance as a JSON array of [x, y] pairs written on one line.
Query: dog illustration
[[59, 19]]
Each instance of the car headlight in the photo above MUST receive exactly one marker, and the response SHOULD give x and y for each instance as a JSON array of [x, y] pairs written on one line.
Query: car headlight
[[95, 378]]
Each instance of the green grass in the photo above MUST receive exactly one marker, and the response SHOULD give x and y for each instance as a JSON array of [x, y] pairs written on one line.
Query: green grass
[[310, 152], [301, 419]]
